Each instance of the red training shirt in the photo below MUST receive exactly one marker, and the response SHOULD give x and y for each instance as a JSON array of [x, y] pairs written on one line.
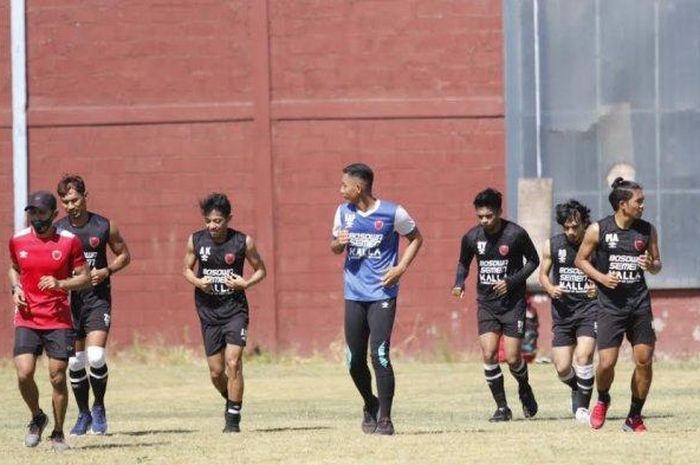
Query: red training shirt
[[35, 257]]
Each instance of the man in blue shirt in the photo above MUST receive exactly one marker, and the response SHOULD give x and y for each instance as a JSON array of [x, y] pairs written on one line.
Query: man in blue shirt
[[369, 229]]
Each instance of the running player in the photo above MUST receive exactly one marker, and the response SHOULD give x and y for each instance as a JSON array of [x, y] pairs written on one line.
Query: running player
[[574, 307], [45, 265], [500, 247], [220, 298], [368, 229], [91, 307], [624, 247]]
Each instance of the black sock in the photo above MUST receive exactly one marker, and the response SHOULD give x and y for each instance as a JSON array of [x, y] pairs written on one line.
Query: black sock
[[520, 375], [234, 410], [604, 397], [98, 381], [585, 390], [494, 378], [570, 379], [636, 407], [81, 389]]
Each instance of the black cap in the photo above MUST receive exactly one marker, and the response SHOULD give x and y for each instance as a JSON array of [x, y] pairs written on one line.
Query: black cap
[[41, 200]]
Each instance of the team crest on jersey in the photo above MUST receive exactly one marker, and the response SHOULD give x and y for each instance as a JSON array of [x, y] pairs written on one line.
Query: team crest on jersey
[[56, 255], [378, 225], [639, 245], [229, 258], [349, 220], [481, 247], [503, 250], [94, 241], [562, 255], [204, 253], [611, 239]]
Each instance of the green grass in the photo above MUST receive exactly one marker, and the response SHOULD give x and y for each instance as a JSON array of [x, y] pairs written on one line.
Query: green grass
[[163, 410]]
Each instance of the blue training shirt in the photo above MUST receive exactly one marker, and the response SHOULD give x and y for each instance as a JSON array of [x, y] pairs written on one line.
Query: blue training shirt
[[373, 247]]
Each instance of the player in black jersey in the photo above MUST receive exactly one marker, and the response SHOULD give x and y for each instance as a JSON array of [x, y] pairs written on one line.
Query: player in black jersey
[[92, 307], [574, 308], [500, 247], [624, 247], [219, 295]]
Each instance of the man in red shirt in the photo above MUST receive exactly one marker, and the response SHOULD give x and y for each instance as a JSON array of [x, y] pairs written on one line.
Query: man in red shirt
[[46, 265]]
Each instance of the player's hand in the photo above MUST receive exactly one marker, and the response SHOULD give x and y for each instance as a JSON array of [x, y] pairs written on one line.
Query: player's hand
[[49, 283], [591, 289], [645, 261], [18, 298], [500, 288], [392, 276], [344, 237], [236, 282], [97, 276], [458, 291], [204, 284], [610, 280], [556, 292]]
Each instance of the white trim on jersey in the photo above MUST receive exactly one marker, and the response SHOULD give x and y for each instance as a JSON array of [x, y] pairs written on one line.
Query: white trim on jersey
[[65, 233], [374, 208], [23, 232], [403, 223], [335, 231]]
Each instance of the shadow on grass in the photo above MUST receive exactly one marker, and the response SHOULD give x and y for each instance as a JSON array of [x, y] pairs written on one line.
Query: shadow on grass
[[449, 431], [291, 428], [608, 418], [154, 431], [138, 445]]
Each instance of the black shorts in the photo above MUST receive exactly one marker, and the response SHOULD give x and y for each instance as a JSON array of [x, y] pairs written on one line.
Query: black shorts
[[636, 325], [510, 323], [566, 330], [216, 336], [93, 317], [58, 343]]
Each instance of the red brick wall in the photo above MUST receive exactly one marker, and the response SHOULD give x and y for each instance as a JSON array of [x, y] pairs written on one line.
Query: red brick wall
[[159, 103]]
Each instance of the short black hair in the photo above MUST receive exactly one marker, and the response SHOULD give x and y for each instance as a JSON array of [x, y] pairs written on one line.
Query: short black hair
[[622, 190], [573, 210], [362, 172], [215, 201], [70, 181], [489, 198]]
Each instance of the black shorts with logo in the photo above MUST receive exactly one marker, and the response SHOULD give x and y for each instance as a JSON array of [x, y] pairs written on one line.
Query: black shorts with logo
[[510, 322], [216, 336], [58, 343], [637, 325], [568, 327], [90, 313]]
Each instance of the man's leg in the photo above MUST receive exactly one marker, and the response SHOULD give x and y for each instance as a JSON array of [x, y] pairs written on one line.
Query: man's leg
[[583, 358], [80, 384], [488, 342], [380, 317], [356, 338], [96, 359], [233, 355], [562, 356], [59, 398], [217, 372], [25, 365], [519, 370]]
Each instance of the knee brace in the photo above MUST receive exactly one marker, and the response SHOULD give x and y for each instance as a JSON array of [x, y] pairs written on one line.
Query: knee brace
[[96, 356], [77, 362]]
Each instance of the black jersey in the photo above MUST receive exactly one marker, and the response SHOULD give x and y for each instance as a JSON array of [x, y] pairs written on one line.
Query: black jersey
[[566, 275], [499, 257], [217, 262], [618, 252], [94, 236]]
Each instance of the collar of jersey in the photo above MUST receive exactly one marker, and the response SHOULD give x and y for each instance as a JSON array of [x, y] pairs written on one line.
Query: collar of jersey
[[370, 211]]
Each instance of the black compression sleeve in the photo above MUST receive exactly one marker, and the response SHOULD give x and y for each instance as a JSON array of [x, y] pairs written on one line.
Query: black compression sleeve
[[466, 254], [533, 261]]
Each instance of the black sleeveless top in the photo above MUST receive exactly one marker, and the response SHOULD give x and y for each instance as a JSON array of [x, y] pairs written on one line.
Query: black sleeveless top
[[618, 252], [218, 261], [566, 275], [94, 236]]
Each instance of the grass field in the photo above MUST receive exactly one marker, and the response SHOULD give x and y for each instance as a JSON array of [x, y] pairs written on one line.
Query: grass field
[[166, 412]]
